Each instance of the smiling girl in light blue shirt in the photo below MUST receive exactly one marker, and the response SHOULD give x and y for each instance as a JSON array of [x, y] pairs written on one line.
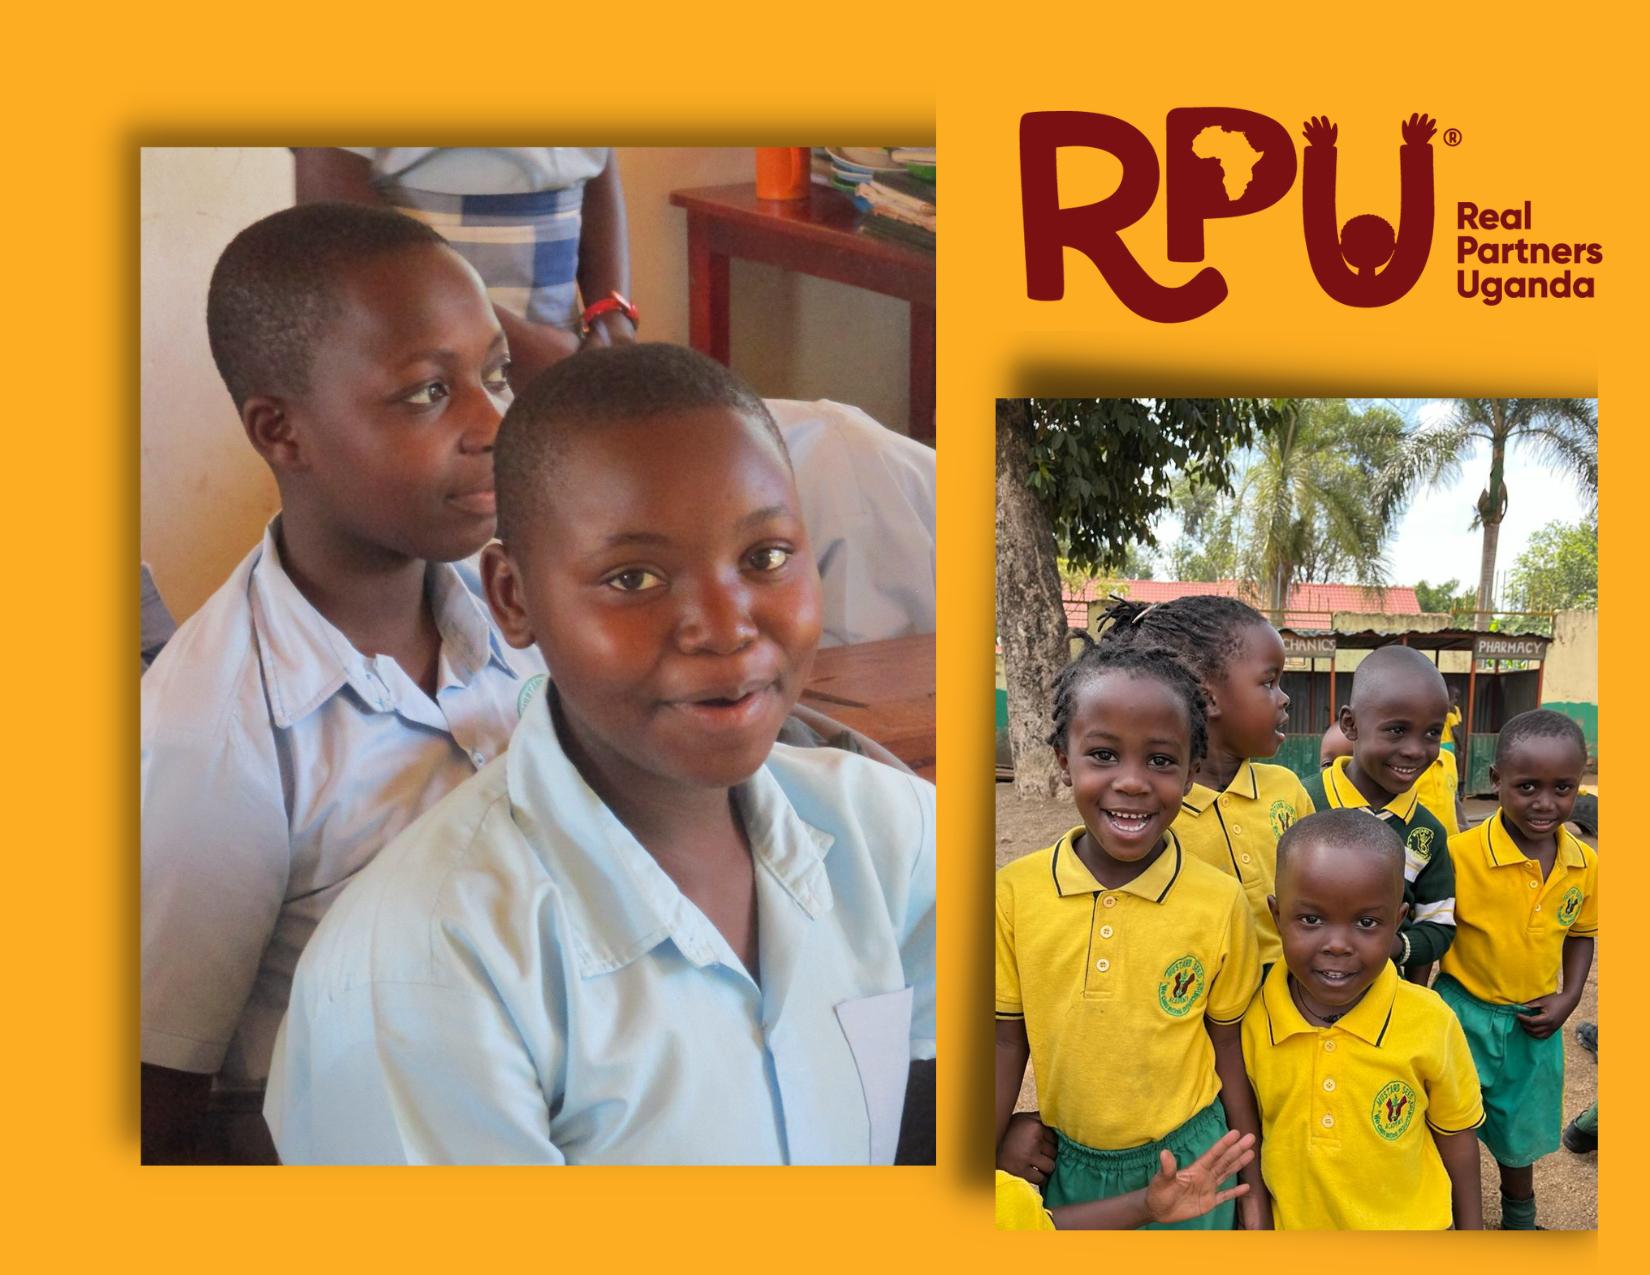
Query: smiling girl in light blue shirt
[[648, 934]]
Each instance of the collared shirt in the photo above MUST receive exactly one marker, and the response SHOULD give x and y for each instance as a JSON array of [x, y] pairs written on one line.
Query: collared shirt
[[276, 761], [1115, 987], [1347, 1111], [1436, 787], [1429, 877], [868, 501], [516, 980], [1510, 923], [1237, 831]]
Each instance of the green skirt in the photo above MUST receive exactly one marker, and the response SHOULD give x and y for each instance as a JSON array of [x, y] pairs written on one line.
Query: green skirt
[[1081, 1173], [1522, 1077]]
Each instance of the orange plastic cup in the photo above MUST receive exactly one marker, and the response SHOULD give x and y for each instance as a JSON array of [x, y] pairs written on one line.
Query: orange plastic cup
[[782, 172]]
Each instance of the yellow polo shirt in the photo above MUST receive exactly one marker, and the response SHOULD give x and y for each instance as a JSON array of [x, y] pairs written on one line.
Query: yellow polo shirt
[[1347, 1111], [1019, 1206], [1451, 720], [1115, 985], [1436, 789], [1237, 831], [1510, 925]]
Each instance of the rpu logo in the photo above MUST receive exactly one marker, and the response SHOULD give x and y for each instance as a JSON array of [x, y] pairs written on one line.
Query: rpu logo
[[1220, 162]]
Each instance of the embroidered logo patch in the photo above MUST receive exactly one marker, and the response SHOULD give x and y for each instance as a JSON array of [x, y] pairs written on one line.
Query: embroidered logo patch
[[1570, 907], [1419, 842], [527, 690], [1393, 1111], [1282, 815], [1181, 986]]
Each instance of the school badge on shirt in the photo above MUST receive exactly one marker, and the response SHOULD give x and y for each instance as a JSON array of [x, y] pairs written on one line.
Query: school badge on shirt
[[1570, 906], [1419, 843], [1282, 815], [1393, 1109], [528, 688], [1181, 986]]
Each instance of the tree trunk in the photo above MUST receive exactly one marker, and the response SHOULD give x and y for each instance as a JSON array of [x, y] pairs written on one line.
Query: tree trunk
[[1492, 508], [1486, 573], [1031, 623]]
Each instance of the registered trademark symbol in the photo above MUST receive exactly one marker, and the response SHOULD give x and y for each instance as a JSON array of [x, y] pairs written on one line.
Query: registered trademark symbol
[[1452, 137]]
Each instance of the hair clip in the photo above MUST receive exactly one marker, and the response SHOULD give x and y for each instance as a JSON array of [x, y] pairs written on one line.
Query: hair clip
[[1144, 612]]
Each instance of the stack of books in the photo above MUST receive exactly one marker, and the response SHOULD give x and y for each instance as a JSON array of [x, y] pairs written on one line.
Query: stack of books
[[893, 186]]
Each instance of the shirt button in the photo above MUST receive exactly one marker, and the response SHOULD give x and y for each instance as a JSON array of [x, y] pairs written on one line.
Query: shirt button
[[1105, 931], [479, 757], [1328, 1046], [1328, 1122], [1102, 965], [1245, 858], [1109, 901], [1225, 801], [1237, 830], [1535, 885], [1329, 1084]]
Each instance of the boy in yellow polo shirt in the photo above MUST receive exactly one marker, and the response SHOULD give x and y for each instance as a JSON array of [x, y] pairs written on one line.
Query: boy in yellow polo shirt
[[1393, 720], [1526, 906], [1364, 1082], [1438, 787], [1238, 805]]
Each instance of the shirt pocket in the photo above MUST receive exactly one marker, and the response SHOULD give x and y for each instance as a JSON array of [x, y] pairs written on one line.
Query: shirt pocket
[[878, 1029]]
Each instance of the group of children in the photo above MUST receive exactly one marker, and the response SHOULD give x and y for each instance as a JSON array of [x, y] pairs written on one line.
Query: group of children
[[1219, 952], [472, 860]]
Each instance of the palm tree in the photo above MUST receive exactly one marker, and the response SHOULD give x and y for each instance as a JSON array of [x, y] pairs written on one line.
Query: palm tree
[[1561, 433], [1305, 502]]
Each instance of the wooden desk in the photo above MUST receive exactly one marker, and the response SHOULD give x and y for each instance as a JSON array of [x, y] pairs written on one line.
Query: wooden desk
[[816, 236], [884, 690]]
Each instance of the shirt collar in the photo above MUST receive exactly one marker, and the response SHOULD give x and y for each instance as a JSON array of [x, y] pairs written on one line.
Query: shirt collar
[[1368, 1020], [1342, 792], [622, 904], [1502, 851], [1246, 783], [1153, 885], [306, 659]]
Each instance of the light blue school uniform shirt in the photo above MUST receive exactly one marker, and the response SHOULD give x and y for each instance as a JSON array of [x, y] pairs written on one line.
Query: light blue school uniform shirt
[[516, 980], [276, 760]]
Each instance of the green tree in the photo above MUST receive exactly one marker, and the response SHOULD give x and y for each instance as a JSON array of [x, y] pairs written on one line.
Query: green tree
[[1448, 597], [1305, 500], [1302, 507], [1207, 546], [1558, 569], [1083, 479], [1561, 433]]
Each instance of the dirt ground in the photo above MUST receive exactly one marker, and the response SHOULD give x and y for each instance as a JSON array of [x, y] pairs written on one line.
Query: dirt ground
[[1566, 1185]]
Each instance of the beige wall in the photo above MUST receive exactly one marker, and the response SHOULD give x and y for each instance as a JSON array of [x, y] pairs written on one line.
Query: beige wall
[[206, 496], [1572, 660]]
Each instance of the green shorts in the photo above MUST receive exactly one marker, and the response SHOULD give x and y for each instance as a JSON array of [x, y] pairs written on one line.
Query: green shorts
[[1522, 1077], [1081, 1173]]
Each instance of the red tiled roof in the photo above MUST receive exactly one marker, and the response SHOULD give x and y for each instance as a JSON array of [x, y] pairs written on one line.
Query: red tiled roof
[[1317, 598]]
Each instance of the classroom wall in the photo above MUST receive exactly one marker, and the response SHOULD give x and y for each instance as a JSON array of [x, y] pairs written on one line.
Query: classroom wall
[[206, 496]]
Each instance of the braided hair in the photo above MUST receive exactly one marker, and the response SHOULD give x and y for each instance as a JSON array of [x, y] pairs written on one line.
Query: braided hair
[[1136, 661], [1204, 630]]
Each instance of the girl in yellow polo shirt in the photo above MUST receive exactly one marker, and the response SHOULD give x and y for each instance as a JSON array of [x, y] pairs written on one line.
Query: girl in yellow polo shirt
[[1124, 964], [1526, 907], [1238, 805]]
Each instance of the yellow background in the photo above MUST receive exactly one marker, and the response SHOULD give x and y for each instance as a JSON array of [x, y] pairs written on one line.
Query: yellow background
[[1540, 101]]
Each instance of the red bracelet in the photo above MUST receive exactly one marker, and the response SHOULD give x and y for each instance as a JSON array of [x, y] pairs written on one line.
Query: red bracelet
[[607, 305]]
